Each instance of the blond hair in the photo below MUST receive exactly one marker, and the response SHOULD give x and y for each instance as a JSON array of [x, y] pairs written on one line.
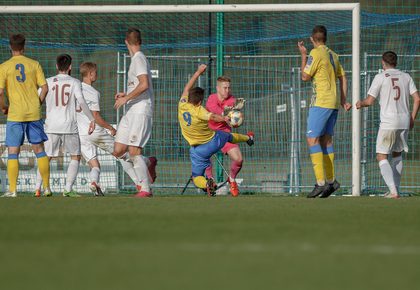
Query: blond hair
[[87, 67]]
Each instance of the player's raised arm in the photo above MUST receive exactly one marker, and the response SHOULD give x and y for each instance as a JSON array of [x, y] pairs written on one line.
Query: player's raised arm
[[303, 53], [201, 69]]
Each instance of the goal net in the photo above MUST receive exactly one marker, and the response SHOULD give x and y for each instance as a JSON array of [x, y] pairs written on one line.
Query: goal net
[[255, 47]]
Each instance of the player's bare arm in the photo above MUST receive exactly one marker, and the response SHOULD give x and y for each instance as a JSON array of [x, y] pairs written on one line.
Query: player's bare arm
[[3, 106], [303, 54], [101, 122], [122, 98], [343, 93], [200, 70], [43, 93], [366, 102], [88, 113], [416, 106], [219, 118]]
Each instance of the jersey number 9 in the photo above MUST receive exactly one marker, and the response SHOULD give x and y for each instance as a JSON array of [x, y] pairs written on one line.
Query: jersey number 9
[[187, 118]]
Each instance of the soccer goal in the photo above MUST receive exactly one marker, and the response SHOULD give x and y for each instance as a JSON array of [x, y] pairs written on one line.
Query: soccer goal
[[254, 44]]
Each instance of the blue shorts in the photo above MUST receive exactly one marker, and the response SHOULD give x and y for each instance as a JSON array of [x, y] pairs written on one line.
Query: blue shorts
[[200, 155], [321, 121], [15, 133]]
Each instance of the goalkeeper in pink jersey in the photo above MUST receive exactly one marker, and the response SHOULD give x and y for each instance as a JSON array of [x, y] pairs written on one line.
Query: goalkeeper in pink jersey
[[217, 103]]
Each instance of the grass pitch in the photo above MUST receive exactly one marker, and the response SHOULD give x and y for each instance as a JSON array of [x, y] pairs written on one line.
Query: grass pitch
[[209, 243]]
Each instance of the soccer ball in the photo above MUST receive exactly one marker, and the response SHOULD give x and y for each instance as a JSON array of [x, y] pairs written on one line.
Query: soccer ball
[[236, 118]]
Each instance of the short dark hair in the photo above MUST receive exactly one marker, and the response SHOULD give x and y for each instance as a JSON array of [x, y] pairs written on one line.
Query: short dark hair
[[133, 36], [390, 58], [319, 33], [63, 62], [17, 42], [195, 95]]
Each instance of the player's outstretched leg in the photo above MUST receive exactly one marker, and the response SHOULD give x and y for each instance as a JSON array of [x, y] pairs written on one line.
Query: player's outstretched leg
[[238, 138], [208, 185]]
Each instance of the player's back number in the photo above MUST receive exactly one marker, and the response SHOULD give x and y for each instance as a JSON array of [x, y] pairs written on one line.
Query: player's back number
[[21, 68]]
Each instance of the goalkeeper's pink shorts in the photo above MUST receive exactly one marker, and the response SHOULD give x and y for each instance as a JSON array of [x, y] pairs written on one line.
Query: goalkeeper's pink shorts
[[228, 146]]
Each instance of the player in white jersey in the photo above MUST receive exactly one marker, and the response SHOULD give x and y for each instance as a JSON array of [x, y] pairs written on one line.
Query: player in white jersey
[[99, 138], [61, 123], [393, 88], [135, 127]]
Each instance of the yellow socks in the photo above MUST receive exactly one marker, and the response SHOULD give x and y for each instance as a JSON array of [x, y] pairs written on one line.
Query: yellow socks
[[12, 171], [237, 138], [200, 181], [318, 163], [329, 163]]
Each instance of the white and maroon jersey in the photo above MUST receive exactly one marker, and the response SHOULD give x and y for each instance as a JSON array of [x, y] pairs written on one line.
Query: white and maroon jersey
[[144, 102], [63, 90], [92, 97], [393, 87]]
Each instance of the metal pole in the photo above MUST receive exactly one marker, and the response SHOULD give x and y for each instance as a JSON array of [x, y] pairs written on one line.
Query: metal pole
[[219, 69], [356, 97], [364, 124], [292, 171]]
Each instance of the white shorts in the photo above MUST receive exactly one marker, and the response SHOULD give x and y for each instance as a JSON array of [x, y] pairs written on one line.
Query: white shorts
[[90, 143], [389, 141], [134, 130], [70, 143]]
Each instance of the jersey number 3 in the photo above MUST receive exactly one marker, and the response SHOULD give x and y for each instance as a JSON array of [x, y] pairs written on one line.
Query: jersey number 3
[[21, 68], [397, 88], [187, 118]]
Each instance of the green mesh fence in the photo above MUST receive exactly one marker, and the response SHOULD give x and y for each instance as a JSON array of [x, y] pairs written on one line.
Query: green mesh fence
[[259, 54]]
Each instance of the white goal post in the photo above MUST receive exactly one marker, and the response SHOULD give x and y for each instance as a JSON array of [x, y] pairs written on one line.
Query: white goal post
[[354, 7]]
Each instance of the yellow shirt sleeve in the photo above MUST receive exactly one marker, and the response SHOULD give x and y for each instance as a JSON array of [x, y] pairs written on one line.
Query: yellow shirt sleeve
[[40, 78], [312, 63], [203, 114], [340, 70]]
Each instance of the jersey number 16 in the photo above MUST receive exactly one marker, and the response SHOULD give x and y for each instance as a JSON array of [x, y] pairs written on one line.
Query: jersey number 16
[[63, 92]]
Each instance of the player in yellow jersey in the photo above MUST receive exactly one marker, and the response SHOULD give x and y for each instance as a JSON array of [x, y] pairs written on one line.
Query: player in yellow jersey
[[323, 68], [21, 77], [193, 119]]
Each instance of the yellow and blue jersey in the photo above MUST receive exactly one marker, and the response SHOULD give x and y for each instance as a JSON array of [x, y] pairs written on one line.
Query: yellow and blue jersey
[[324, 67], [21, 77], [194, 122]]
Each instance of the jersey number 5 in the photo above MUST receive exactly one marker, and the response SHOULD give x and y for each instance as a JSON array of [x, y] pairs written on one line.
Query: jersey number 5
[[187, 118], [21, 68], [64, 93], [397, 88]]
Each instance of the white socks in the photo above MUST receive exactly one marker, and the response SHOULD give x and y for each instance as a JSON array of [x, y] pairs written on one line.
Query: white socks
[[94, 174], [71, 174], [128, 168], [388, 175], [397, 166], [140, 167]]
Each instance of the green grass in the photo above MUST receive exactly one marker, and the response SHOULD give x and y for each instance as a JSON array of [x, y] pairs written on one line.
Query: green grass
[[209, 243]]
